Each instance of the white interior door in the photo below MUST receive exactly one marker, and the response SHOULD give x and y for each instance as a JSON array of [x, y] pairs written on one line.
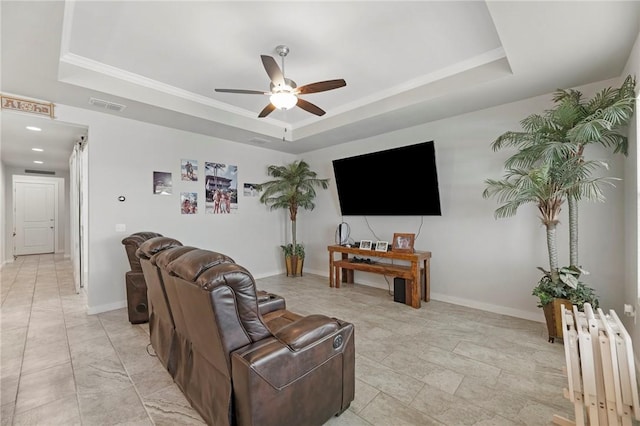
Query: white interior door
[[35, 205]]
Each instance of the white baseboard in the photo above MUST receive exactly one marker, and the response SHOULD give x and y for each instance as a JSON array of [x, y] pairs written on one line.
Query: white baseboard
[[496, 309], [268, 274], [322, 273], [92, 310], [361, 280]]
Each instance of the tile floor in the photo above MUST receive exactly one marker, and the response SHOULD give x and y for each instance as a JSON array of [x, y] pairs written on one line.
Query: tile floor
[[440, 365]]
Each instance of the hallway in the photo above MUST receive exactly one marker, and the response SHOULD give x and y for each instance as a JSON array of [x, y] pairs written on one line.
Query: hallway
[[61, 366]]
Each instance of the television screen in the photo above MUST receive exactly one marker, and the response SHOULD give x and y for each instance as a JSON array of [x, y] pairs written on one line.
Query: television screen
[[395, 182]]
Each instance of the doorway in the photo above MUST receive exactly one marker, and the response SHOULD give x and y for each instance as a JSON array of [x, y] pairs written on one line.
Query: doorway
[[36, 218]]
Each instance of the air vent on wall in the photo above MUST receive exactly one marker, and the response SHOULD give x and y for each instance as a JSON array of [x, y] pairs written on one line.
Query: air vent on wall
[[110, 106], [40, 172]]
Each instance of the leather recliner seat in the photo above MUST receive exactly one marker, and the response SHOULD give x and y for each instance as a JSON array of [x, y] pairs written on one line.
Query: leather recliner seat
[[136, 287], [161, 321], [131, 245], [242, 367], [154, 254]]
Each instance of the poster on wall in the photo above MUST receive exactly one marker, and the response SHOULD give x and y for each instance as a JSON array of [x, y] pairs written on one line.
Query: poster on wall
[[189, 202], [250, 190], [189, 170], [162, 184], [221, 188]]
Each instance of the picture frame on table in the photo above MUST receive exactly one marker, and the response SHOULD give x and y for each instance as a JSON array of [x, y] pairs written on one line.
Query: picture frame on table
[[403, 243], [382, 246], [365, 244]]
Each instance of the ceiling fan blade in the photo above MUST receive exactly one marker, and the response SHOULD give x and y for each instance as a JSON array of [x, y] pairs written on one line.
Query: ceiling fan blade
[[245, 92], [309, 107], [321, 86], [273, 70], [266, 111]]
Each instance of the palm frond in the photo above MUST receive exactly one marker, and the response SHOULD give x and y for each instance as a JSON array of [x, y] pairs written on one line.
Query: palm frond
[[512, 139], [601, 100], [562, 95], [508, 209], [620, 112], [536, 123], [628, 88], [619, 142], [589, 131], [565, 116]]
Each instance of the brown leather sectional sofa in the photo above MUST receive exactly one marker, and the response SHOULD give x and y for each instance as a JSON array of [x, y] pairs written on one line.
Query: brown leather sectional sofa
[[237, 354]]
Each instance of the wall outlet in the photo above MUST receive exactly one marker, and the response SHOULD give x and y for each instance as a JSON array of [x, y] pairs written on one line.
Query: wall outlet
[[630, 311], [121, 227]]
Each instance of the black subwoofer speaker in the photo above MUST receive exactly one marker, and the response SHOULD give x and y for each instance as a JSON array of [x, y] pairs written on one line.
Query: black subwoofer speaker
[[137, 303], [398, 290]]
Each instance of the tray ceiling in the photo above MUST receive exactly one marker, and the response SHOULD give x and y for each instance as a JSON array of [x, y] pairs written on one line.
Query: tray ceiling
[[405, 63]]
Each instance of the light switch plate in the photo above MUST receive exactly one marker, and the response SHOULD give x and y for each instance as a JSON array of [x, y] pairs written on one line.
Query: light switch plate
[[121, 227]]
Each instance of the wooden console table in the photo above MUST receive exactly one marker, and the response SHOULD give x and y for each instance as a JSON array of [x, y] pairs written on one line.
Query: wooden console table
[[409, 272]]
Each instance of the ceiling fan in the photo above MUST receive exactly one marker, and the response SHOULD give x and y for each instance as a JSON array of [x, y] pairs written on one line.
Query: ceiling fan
[[285, 94]]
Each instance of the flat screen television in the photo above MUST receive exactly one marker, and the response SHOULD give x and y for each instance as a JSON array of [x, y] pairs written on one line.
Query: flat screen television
[[395, 182]]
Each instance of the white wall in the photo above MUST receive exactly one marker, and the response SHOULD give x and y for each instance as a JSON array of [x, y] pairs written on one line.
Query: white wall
[[122, 157], [631, 208], [3, 215], [3, 201], [477, 260]]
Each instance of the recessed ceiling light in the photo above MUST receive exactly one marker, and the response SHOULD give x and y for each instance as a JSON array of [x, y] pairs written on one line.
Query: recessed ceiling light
[[38, 162], [37, 149], [34, 128]]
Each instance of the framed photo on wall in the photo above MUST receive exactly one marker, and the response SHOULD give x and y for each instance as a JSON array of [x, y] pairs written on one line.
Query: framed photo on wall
[[365, 244], [382, 245], [403, 243], [162, 184], [189, 202], [189, 170]]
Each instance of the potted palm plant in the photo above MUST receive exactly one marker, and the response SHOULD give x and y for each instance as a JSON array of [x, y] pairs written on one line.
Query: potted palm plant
[[547, 185], [558, 139], [293, 186]]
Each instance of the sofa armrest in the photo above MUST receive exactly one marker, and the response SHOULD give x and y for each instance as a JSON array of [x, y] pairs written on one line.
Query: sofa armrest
[[302, 348], [268, 302], [307, 331]]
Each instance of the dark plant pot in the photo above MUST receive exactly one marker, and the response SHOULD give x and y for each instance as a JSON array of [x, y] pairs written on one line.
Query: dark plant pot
[[294, 265], [553, 317]]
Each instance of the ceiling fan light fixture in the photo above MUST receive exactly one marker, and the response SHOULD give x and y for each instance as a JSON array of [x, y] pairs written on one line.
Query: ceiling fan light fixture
[[283, 93], [283, 100]]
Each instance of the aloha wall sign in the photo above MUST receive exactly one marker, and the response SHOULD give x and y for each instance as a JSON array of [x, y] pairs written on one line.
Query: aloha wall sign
[[25, 105]]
